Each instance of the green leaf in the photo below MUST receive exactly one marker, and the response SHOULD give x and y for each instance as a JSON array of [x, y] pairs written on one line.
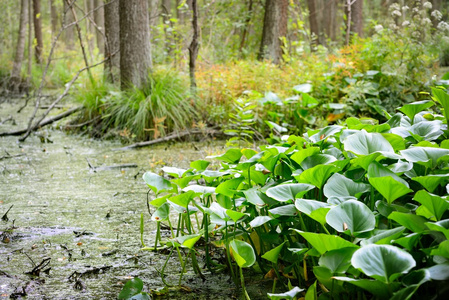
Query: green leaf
[[410, 110], [303, 88], [435, 205], [231, 156], [364, 143], [427, 156], [315, 209], [375, 169], [285, 192], [235, 215], [175, 172], [396, 141], [243, 253], [383, 262], [317, 175], [199, 165], [276, 127], [389, 188], [317, 159], [412, 222], [311, 292], [409, 242], [254, 196], [200, 189], [440, 226], [428, 130], [351, 215], [443, 98], [131, 288], [259, 221], [273, 254], [229, 187], [284, 210], [302, 154], [338, 260], [324, 242], [162, 213], [431, 182], [384, 236], [339, 185], [375, 287], [287, 295], [439, 272], [182, 199], [156, 182], [188, 241]]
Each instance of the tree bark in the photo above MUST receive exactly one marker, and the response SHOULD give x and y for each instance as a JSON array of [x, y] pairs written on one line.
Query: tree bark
[[54, 18], [69, 33], [246, 27], [166, 16], [112, 42], [99, 20], [315, 32], [194, 46], [20, 48], [38, 30], [135, 51], [357, 17], [274, 27], [154, 12], [330, 19], [90, 29]]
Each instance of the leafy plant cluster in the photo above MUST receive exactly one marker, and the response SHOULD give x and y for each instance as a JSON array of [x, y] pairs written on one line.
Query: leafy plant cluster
[[356, 210]]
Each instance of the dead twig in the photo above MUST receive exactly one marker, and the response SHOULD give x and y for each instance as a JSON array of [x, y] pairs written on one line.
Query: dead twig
[[5, 216], [173, 136], [44, 122], [6, 120], [37, 269]]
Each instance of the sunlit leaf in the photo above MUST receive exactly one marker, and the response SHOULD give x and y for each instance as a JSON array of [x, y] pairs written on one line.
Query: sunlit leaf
[[324, 242], [287, 295], [285, 192], [339, 185], [156, 182], [273, 254], [243, 253], [351, 215]]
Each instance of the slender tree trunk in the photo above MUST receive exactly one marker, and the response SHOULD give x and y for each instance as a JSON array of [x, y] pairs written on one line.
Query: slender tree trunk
[[274, 28], [357, 17], [166, 16], [20, 47], [112, 43], [90, 29], [54, 18], [330, 18], [135, 51], [30, 42], [315, 32], [194, 46], [154, 12], [38, 30], [246, 27], [69, 33], [99, 20]]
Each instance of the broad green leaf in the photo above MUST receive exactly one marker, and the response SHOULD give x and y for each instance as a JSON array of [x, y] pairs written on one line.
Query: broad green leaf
[[259, 221], [200, 189], [383, 262], [396, 141], [409, 241], [188, 241], [302, 154], [440, 226], [375, 169], [315, 209], [375, 287], [324, 242], [439, 272], [131, 288], [339, 185], [434, 205], [384, 236], [338, 260], [442, 250], [175, 172], [235, 215], [276, 127], [412, 222], [364, 143], [284, 210], [159, 201], [390, 188], [182, 199], [156, 182], [428, 156], [229, 187], [285, 192], [287, 295], [199, 165], [243, 253], [317, 159], [351, 215], [311, 292], [410, 110], [303, 88], [162, 213], [231, 156], [443, 98], [254, 196], [324, 133], [317, 175], [429, 130], [431, 182], [273, 254]]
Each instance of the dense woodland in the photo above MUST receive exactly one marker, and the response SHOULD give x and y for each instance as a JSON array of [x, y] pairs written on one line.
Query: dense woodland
[[335, 181]]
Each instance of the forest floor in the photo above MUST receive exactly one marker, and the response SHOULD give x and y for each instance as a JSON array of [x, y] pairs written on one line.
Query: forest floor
[[73, 228]]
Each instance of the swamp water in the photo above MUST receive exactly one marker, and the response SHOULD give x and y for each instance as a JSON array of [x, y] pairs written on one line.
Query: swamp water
[[78, 229]]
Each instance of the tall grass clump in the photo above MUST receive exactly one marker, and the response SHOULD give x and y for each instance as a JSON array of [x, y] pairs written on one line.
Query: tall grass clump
[[163, 106]]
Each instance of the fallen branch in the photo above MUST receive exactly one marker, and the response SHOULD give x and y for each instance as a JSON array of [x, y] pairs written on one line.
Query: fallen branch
[[6, 120], [173, 136], [44, 122]]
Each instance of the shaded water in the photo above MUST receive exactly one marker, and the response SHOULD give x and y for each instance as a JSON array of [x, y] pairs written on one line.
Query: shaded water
[[86, 222]]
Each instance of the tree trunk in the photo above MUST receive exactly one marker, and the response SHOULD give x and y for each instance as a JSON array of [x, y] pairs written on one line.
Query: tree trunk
[[315, 32], [154, 12], [166, 16], [30, 42], [246, 27], [194, 46], [20, 48], [274, 27], [330, 19], [90, 29], [54, 18], [357, 17], [135, 51], [99, 20], [69, 33], [38, 30], [112, 43]]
